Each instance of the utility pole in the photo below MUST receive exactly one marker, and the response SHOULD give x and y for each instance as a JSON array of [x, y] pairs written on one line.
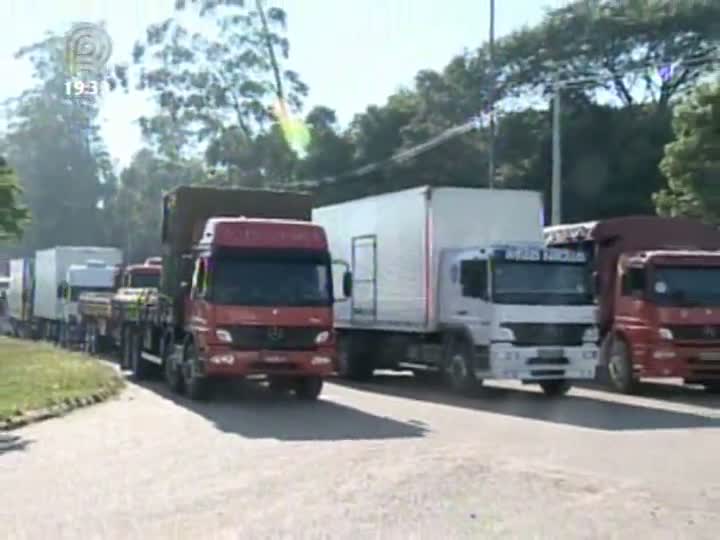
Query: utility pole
[[556, 217], [491, 48]]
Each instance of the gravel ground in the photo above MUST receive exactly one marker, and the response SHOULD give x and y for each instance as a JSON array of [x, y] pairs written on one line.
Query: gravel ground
[[391, 459]]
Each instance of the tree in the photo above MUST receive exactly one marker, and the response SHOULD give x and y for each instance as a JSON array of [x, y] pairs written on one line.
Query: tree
[[692, 161], [53, 143], [13, 215], [221, 91]]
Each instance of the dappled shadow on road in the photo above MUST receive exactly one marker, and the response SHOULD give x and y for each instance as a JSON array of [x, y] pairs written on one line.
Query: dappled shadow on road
[[251, 410], [599, 412], [12, 443]]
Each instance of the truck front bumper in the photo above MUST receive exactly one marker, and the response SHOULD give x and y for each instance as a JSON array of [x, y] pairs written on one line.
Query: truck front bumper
[[539, 363], [677, 361], [233, 363]]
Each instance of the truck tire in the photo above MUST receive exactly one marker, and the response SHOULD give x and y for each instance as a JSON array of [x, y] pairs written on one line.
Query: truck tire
[[197, 388], [555, 387], [126, 348], [171, 370], [308, 388], [140, 367], [353, 364], [90, 345], [459, 368], [620, 367]]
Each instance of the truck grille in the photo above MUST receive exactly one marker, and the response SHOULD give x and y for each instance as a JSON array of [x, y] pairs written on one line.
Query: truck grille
[[276, 338], [695, 332], [538, 334]]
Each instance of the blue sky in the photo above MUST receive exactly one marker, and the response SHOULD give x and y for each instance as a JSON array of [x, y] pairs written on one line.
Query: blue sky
[[351, 53]]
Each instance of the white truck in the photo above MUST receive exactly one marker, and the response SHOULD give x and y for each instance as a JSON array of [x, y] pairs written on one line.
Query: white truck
[[20, 297], [457, 281], [61, 275]]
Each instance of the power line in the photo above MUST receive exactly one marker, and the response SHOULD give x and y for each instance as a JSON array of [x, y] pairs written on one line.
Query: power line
[[475, 123]]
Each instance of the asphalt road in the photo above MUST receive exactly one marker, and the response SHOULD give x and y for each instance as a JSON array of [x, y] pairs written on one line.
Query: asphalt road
[[391, 459]]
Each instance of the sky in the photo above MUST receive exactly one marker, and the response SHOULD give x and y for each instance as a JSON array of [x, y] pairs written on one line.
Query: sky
[[350, 53]]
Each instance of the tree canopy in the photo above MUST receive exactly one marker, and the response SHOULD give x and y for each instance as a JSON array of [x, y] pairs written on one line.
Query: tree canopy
[[229, 112], [692, 161], [12, 214]]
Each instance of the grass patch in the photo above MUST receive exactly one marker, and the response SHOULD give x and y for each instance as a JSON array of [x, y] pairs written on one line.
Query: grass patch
[[37, 376]]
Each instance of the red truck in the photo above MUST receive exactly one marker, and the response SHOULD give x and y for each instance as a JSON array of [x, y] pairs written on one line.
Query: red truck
[[108, 318], [657, 284], [245, 291]]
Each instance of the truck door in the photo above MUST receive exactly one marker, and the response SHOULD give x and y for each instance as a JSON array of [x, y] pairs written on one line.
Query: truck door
[[198, 305], [467, 302], [364, 271]]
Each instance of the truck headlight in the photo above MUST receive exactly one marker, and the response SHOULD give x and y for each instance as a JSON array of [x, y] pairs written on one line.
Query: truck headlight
[[665, 333], [322, 337], [223, 335], [591, 334], [504, 334]]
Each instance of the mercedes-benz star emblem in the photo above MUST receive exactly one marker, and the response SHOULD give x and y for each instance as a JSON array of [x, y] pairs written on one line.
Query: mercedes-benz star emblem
[[275, 333]]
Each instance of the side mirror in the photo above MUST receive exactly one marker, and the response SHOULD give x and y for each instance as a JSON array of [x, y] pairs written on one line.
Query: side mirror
[[347, 284], [61, 290], [596, 283]]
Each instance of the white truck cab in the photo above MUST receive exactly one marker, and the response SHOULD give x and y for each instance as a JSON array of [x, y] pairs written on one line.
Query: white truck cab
[[93, 276], [527, 309]]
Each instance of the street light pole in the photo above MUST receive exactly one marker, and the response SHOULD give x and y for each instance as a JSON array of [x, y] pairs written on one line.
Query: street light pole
[[556, 217], [491, 149]]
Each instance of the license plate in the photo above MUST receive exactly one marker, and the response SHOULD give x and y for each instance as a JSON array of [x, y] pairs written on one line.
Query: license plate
[[712, 356], [551, 353], [275, 359]]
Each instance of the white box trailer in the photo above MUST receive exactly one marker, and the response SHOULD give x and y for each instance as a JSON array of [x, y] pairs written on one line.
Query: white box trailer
[[393, 243], [51, 266], [19, 296], [421, 265]]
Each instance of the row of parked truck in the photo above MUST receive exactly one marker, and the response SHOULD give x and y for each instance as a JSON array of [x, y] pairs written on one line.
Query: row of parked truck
[[460, 283]]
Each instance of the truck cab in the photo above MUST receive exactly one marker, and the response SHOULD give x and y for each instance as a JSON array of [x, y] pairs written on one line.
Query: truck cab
[[528, 310], [81, 279], [261, 296], [657, 283]]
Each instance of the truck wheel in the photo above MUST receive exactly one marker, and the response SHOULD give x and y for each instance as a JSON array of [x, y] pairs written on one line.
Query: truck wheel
[[173, 376], [139, 365], [555, 388], [620, 368], [459, 366], [352, 363], [196, 387], [308, 388], [126, 346], [90, 343]]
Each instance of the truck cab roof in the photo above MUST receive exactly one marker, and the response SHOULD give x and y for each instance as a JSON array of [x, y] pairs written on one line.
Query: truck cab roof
[[258, 233], [678, 257]]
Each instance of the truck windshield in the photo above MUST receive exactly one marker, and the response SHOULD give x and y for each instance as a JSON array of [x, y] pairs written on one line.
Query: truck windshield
[[75, 292], [144, 281], [541, 283], [686, 286], [287, 282]]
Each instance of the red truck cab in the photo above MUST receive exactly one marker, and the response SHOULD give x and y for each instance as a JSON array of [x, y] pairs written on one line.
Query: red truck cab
[[260, 303], [658, 293], [140, 276]]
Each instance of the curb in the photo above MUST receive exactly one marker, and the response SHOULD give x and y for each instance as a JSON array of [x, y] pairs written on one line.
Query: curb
[[63, 408]]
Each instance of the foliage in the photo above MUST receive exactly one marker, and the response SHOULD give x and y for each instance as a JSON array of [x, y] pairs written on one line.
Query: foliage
[[13, 216], [53, 144], [692, 161]]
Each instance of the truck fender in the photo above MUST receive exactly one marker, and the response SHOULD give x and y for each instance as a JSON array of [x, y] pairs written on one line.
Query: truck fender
[[452, 332]]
